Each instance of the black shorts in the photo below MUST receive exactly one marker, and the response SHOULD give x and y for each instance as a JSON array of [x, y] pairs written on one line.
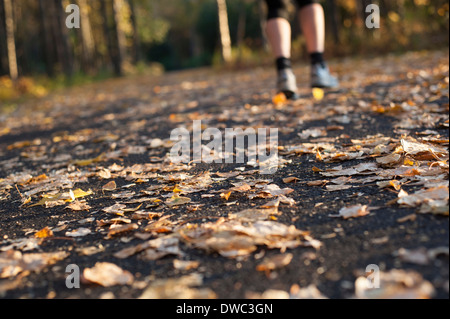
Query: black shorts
[[278, 8]]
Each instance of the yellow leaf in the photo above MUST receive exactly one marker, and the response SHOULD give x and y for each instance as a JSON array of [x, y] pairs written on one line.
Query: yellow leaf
[[379, 109], [408, 162], [36, 179], [316, 170], [226, 195], [79, 193], [5, 131], [132, 210], [87, 162], [319, 156], [396, 184], [47, 198], [177, 190], [44, 233], [318, 94], [21, 144], [26, 200], [279, 99]]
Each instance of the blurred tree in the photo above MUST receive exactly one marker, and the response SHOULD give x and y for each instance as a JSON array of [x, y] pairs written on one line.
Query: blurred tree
[[334, 18], [110, 31], [46, 35], [10, 40], [87, 40], [118, 6], [119, 36], [3, 51], [225, 39], [137, 56]]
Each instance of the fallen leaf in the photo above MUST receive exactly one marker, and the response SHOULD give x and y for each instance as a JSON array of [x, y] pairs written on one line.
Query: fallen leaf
[[178, 288], [13, 262], [107, 275], [290, 179], [80, 232], [117, 209], [318, 94], [44, 233], [389, 159], [185, 264], [279, 99], [275, 262], [177, 201], [111, 186], [79, 206], [354, 211], [395, 284], [120, 229]]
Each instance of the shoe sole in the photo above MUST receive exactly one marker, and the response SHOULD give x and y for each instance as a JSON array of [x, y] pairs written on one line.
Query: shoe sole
[[291, 95]]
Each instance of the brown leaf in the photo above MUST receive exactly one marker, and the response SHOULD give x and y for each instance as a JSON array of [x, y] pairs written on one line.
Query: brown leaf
[[111, 186], [290, 179], [390, 159], [275, 262], [120, 229], [107, 275], [79, 206]]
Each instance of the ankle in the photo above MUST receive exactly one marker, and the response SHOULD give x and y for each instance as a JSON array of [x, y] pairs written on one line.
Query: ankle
[[317, 58], [283, 64]]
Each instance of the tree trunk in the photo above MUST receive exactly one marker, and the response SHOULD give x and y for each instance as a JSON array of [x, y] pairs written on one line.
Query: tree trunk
[[137, 56], [87, 40], [241, 29], [262, 24], [120, 35], [3, 51], [10, 40], [334, 18], [60, 36], [224, 29], [109, 36], [47, 39]]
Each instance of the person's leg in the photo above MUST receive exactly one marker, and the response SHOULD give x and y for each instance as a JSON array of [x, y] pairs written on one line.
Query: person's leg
[[279, 35], [312, 20]]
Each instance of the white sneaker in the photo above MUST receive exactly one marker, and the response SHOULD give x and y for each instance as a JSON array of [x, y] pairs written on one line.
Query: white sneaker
[[321, 77], [287, 83]]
